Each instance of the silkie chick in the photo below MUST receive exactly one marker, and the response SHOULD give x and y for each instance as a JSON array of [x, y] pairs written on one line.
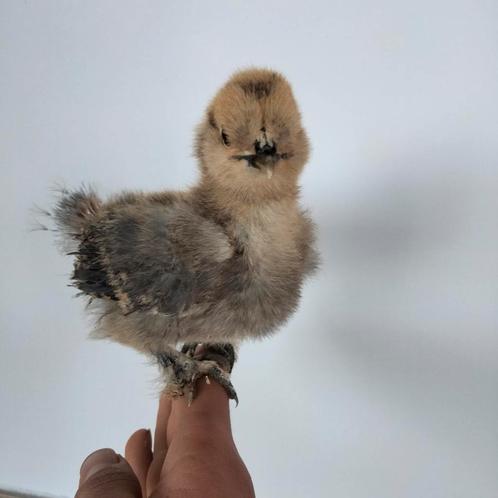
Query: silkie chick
[[211, 266]]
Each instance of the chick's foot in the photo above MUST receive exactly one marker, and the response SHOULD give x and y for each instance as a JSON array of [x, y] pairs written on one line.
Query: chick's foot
[[198, 360]]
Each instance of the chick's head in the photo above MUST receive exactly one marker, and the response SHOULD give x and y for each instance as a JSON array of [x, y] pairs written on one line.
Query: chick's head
[[251, 141]]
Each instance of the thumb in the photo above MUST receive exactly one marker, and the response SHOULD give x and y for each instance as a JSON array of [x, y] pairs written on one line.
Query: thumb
[[104, 474]]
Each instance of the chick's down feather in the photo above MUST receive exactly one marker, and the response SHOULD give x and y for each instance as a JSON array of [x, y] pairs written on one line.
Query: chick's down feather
[[216, 264]]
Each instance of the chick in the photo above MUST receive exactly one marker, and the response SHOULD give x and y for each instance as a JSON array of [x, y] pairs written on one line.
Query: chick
[[211, 266]]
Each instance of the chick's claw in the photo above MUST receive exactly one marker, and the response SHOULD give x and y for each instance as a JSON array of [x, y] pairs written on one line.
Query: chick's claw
[[185, 368]]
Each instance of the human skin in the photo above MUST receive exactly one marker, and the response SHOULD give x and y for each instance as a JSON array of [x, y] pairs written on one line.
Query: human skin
[[193, 455]]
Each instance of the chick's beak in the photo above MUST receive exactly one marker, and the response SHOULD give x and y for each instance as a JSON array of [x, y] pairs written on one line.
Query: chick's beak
[[267, 164], [266, 153], [264, 158]]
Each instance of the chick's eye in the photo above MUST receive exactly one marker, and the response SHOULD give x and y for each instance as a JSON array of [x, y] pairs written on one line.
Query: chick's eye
[[224, 137]]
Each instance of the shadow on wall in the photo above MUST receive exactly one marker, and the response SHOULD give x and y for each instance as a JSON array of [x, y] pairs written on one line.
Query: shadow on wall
[[412, 267]]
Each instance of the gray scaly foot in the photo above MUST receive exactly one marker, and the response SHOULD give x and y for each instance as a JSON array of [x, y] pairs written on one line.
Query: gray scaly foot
[[198, 360]]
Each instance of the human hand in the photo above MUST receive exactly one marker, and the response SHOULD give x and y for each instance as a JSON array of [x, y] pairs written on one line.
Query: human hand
[[193, 456]]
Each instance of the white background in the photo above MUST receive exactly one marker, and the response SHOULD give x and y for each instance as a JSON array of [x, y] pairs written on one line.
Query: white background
[[384, 384]]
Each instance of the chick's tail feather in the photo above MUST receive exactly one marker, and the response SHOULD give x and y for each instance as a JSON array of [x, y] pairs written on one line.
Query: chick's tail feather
[[74, 210]]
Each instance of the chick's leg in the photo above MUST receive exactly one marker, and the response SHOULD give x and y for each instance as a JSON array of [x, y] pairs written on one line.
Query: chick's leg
[[194, 361]]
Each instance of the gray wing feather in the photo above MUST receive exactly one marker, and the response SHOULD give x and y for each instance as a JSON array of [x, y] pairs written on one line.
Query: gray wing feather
[[150, 257]]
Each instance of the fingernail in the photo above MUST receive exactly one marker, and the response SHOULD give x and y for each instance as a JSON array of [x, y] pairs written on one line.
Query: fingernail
[[96, 461]]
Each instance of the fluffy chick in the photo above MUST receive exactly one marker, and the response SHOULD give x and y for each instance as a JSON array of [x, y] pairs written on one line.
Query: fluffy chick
[[214, 265]]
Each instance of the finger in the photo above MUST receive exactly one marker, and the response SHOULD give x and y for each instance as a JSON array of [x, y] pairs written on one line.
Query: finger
[[209, 410], [138, 453], [106, 474], [160, 443], [198, 434], [202, 456], [163, 414]]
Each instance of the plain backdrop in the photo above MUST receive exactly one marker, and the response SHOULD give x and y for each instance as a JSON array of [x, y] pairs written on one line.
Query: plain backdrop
[[384, 384]]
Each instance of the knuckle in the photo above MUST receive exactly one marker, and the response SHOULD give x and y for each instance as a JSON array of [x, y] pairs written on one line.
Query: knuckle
[[110, 482]]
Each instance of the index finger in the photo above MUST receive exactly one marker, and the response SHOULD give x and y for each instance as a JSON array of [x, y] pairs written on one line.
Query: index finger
[[160, 443], [210, 409]]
